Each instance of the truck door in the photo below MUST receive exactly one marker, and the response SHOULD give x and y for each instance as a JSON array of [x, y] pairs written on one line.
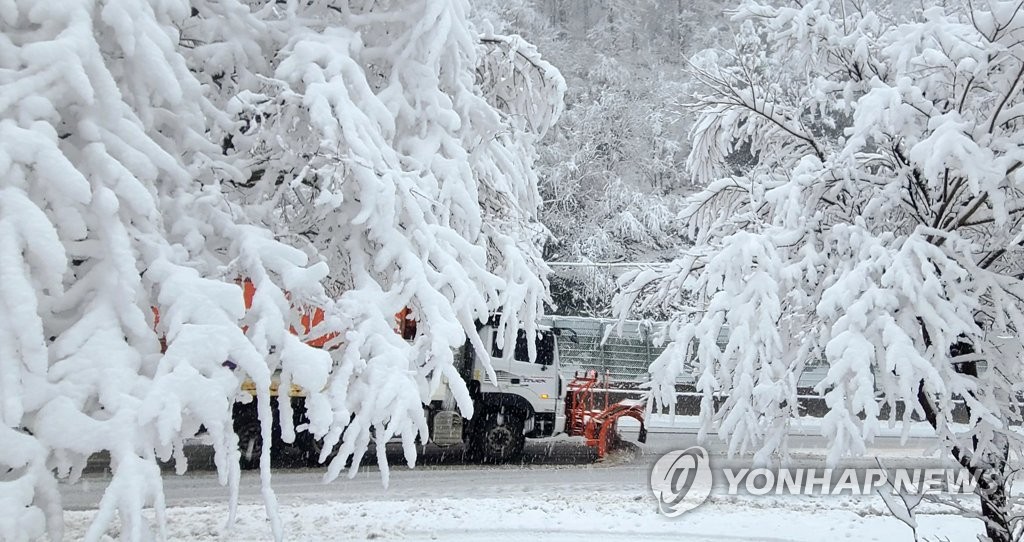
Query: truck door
[[537, 380]]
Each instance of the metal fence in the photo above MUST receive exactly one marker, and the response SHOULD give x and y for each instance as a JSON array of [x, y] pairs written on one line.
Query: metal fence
[[600, 346], [626, 356]]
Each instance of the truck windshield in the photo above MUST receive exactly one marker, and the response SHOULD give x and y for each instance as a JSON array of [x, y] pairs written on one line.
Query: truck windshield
[[545, 348]]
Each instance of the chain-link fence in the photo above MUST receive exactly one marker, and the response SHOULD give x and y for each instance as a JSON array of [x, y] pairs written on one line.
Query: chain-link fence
[[626, 356], [600, 346]]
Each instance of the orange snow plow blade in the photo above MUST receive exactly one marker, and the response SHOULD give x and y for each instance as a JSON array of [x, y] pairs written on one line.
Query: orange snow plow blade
[[597, 424]]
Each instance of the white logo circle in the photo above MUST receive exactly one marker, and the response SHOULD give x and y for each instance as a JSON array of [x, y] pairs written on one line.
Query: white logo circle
[[681, 480]]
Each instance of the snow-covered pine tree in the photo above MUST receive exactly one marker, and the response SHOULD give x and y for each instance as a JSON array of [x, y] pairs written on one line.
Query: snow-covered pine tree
[[864, 205], [142, 166]]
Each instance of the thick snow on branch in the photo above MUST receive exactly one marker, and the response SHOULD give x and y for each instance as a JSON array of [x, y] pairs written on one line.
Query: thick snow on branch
[[520, 83]]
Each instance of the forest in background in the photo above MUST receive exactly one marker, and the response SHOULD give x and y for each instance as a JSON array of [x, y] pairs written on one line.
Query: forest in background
[[612, 171]]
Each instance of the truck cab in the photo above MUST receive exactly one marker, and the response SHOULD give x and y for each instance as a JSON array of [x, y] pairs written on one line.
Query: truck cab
[[527, 399], [536, 384]]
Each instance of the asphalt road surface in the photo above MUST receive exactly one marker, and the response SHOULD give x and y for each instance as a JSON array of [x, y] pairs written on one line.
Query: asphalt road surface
[[555, 463]]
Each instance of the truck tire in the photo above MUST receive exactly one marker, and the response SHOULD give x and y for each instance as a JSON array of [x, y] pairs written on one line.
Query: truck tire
[[498, 438], [250, 443], [246, 423]]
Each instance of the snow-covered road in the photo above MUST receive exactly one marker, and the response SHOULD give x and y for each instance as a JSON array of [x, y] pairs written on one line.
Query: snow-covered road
[[545, 465], [555, 462], [558, 491]]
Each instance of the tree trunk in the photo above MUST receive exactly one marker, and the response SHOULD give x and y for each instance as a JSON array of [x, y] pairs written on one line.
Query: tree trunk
[[993, 489], [991, 473]]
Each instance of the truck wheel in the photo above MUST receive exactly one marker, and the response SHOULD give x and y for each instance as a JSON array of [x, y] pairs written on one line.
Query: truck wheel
[[246, 423], [250, 444], [500, 438]]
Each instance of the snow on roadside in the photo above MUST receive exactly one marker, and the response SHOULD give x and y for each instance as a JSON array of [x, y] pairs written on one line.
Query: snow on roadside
[[569, 515], [807, 425]]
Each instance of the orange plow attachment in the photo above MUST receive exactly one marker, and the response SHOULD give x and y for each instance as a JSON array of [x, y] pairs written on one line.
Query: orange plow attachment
[[597, 423]]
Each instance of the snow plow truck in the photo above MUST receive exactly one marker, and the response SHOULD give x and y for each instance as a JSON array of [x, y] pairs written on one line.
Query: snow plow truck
[[529, 399]]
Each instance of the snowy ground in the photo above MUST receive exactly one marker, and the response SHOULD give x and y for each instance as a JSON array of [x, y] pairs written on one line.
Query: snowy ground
[[563, 514], [557, 492]]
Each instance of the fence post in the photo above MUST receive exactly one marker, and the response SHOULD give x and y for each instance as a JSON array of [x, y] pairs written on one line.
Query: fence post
[[645, 333]]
